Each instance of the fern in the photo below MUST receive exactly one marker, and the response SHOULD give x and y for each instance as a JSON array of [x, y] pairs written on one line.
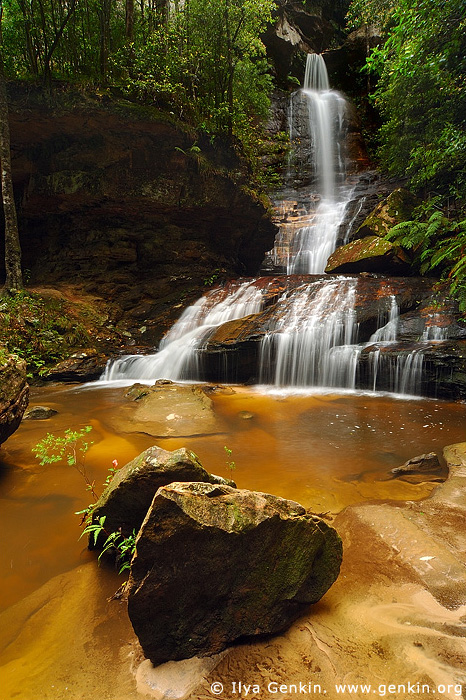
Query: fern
[[438, 244]]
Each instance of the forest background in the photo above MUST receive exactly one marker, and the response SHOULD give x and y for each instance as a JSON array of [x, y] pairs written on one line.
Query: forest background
[[203, 61]]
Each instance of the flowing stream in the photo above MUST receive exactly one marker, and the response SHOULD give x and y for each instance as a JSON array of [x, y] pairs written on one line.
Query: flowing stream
[[313, 340], [61, 635]]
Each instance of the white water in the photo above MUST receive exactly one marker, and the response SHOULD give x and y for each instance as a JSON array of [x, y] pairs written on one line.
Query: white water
[[320, 114], [312, 341], [178, 356]]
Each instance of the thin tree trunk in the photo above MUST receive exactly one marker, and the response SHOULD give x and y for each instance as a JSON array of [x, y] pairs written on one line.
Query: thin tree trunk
[[58, 35], [230, 67], [129, 20], [105, 15], [14, 278]]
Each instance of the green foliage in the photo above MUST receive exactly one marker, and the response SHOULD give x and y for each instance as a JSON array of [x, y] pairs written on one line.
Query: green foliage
[[231, 464], [39, 330], [202, 60], [211, 279], [123, 547], [421, 91], [438, 245], [115, 544], [72, 448], [206, 64]]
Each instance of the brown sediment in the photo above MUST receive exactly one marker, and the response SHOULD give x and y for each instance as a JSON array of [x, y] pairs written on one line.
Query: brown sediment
[[394, 616]]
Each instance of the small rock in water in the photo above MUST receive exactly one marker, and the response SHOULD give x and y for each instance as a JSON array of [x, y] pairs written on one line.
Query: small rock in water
[[246, 415], [422, 465], [39, 413]]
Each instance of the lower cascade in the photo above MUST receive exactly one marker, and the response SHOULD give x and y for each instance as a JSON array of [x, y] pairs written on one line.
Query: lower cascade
[[308, 329], [313, 332]]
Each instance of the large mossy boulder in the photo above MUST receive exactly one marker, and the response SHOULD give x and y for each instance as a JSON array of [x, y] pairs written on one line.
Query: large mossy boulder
[[370, 254], [397, 207], [214, 564], [128, 496], [14, 393]]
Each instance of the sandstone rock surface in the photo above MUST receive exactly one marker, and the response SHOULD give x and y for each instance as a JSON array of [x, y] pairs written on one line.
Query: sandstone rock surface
[[167, 409], [215, 564], [129, 494]]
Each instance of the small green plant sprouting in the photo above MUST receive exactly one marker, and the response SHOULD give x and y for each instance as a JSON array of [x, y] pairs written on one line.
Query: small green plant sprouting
[[194, 149], [208, 282], [72, 447], [231, 464], [123, 546]]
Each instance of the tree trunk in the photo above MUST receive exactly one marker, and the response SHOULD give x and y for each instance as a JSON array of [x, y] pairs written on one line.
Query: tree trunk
[[105, 16], [129, 20], [14, 278], [58, 34]]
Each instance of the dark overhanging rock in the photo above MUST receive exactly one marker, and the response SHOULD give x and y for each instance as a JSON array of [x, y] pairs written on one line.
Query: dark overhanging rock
[[214, 565], [83, 366]]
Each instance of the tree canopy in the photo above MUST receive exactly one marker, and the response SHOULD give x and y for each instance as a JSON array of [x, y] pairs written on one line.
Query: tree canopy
[[201, 59], [421, 90], [420, 69]]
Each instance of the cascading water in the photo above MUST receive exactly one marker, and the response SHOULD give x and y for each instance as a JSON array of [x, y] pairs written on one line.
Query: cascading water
[[311, 340], [318, 118], [178, 356]]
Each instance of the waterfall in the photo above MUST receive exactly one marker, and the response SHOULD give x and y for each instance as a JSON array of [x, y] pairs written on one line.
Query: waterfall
[[312, 337], [318, 117], [311, 340], [179, 353]]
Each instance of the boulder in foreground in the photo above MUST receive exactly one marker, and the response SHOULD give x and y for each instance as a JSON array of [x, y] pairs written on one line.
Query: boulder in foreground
[[128, 496], [214, 564]]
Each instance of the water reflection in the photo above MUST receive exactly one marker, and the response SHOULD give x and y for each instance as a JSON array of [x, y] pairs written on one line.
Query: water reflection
[[323, 450]]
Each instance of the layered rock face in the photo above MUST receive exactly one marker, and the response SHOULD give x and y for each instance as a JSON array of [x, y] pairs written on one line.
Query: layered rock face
[[14, 394], [113, 196], [214, 564], [303, 27]]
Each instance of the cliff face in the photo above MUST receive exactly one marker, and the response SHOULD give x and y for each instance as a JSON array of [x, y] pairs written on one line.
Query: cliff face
[[127, 204]]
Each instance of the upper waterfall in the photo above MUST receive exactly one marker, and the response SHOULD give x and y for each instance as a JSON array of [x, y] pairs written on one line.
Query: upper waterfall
[[317, 129], [315, 75]]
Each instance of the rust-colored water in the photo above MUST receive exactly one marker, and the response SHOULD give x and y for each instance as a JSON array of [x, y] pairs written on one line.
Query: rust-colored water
[[325, 451]]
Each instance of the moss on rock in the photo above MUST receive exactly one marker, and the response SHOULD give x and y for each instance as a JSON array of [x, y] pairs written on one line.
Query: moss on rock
[[397, 207]]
